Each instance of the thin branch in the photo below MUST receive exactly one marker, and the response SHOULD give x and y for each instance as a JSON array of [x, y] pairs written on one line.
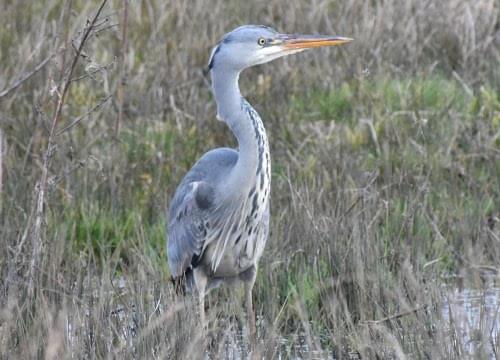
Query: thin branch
[[41, 188], [67, 82], [25, 77], [81, 117], [102, 68], [110, 26], [120, 91]]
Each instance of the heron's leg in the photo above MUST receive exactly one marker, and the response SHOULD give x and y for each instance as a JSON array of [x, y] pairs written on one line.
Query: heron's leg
[[201, 281], [249, 282], [249, 309]]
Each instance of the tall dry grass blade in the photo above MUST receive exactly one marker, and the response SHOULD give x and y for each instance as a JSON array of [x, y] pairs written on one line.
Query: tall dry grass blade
[[1, 170]]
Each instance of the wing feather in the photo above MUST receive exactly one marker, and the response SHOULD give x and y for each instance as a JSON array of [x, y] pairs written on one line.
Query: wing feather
[[187, 228]]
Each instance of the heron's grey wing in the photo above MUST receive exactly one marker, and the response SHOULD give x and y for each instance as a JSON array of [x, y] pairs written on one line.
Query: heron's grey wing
[[187, 228], [192, 207]]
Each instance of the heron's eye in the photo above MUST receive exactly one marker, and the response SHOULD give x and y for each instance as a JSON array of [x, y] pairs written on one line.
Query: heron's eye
[[261, 41]]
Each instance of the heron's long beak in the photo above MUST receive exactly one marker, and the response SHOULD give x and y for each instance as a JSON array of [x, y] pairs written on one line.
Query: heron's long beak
[[301, 42]]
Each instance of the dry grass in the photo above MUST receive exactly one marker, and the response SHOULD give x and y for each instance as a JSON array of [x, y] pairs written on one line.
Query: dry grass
[[385, 177]]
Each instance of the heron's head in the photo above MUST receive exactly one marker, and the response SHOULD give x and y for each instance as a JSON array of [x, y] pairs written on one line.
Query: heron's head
[[251, 45]]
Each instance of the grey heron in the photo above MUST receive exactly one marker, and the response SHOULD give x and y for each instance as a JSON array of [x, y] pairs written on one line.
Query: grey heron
[[218, 221]]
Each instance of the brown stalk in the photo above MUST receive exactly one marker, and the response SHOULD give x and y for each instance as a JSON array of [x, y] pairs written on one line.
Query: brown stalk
[[41, 188], [122, 80]]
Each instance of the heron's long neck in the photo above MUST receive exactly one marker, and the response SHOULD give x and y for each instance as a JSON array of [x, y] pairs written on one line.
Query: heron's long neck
[[253, 166]]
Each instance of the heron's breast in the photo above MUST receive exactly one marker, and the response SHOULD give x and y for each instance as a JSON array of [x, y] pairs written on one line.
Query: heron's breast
[[242, 230], [241, 239]]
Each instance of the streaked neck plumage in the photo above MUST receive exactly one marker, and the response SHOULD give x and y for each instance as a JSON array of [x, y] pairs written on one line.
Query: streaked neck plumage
[[245, 123]]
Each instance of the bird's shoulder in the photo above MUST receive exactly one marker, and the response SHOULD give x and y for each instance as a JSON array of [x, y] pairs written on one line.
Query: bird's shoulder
[[209, 169], [220, 158]]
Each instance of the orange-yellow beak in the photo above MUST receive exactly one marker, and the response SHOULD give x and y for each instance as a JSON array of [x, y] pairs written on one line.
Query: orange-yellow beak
[[300, 42]]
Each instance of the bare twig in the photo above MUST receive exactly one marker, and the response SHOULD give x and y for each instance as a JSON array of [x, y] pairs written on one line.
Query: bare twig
[[67, 81], [25, 77], [41, 188], [101, 68], [81, 117], [121, 69], [110, 26]]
